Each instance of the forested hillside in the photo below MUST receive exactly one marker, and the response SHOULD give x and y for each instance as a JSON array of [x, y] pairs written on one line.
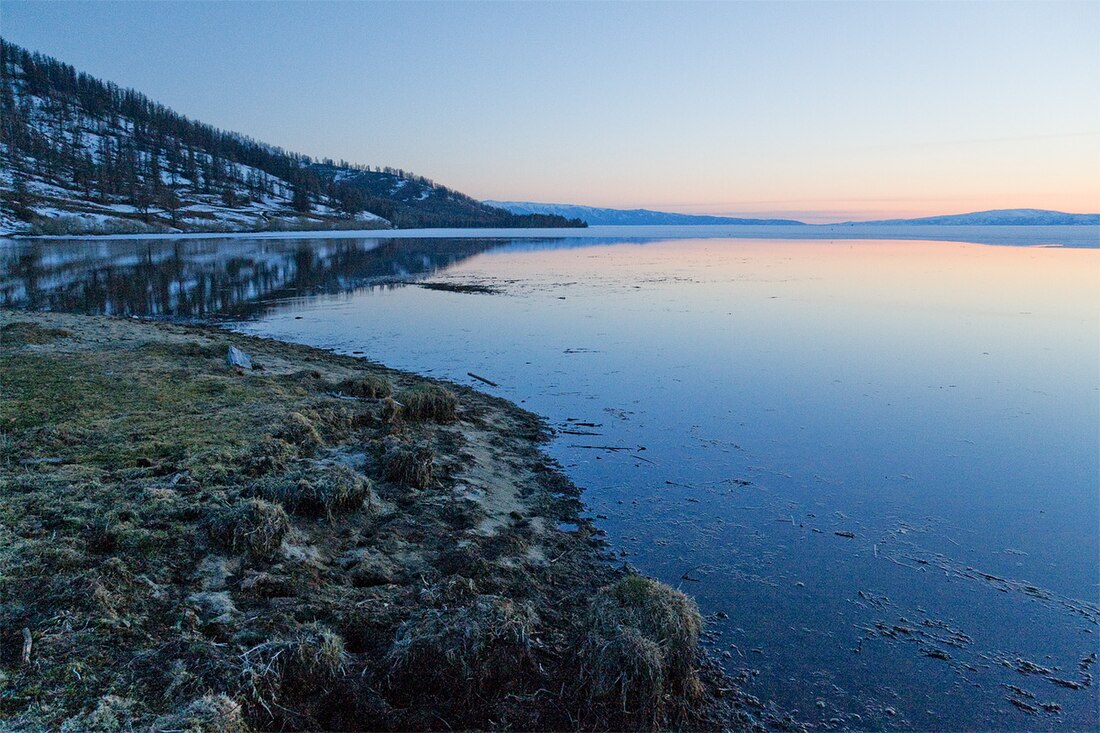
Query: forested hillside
[[79, 155]]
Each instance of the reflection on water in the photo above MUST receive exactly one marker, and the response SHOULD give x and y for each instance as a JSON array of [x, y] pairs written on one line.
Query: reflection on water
[[878, 458], [207, 278]]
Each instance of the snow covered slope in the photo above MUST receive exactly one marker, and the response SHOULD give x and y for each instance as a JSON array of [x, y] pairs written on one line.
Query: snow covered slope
[[997, 217], [81, 156]]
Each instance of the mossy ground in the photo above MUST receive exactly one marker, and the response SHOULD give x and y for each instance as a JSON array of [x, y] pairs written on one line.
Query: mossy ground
[[190, 546]]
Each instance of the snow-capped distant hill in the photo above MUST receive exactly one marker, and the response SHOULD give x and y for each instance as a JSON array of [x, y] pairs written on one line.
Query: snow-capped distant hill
[[628, 217], [82, 156], [997, 217], [594, 216]]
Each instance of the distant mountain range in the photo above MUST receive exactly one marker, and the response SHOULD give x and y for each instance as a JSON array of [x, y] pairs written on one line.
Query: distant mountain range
[[995, 217], [640, 217], [630, 217]]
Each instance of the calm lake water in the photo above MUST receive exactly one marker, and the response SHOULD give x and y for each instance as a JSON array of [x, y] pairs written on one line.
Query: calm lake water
[[875, 461]]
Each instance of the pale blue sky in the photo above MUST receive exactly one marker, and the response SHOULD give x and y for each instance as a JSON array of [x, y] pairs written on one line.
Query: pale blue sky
[[848, 110]]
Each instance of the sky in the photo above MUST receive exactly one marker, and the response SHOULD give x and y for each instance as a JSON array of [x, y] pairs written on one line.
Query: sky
[[819, 111]]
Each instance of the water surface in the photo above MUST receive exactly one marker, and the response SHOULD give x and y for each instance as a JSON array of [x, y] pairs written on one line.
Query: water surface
[[875, 461]]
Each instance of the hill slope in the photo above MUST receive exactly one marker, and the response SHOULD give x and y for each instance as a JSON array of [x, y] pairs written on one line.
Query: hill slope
[[998, 217], [594, 216], [78, 155]]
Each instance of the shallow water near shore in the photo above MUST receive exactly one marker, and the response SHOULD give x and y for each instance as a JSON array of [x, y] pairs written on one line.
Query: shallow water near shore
[[876, 462]]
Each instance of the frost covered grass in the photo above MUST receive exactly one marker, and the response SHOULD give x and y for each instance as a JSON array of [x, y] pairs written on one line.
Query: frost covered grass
[[640, 652], [461, 648], [408, 465], [195, 547], [254, 525], [371, 386], [324, 488], [429, 402]]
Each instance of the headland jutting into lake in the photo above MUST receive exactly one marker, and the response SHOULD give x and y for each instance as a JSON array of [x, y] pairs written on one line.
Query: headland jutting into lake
[[314, 541]]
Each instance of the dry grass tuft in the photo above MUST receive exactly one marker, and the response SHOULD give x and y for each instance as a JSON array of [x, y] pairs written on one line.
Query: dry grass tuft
[[102, 535], [298, 430], [391, 413], [270, 455], [429, 402], [254, 526], [639, 655], [112, 714], [326, 488], [369, 386], [461, 649], [208, 714], [335, 422], [408, 465], [302, 667], [316, 653]]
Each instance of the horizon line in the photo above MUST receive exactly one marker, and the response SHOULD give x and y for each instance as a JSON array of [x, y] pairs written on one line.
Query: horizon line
[[796, 214]]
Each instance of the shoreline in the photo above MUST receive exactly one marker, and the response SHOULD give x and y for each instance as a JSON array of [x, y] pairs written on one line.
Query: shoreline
[[1062, 235], [320, 542]]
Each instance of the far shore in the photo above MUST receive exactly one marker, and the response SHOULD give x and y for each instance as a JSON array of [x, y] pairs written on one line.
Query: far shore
[[1076, 236]]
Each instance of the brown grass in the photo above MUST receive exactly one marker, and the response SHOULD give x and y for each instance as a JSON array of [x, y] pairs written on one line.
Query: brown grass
[[270, 455], [208, 714], [316, 488], [640, 652], [292, 674], [369, 386], [253, 525], [408, 465], [429, 402], [461, 649], [299, 431]]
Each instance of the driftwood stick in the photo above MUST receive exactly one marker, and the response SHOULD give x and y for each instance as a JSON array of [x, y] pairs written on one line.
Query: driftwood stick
[[482, 379], [686, 575], [28, 642]]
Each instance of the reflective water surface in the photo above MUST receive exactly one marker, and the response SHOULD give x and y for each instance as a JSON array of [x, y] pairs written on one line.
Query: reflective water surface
[[875, 462]]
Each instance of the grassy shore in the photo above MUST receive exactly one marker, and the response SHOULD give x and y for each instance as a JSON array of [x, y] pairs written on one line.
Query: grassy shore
[[316, 543]]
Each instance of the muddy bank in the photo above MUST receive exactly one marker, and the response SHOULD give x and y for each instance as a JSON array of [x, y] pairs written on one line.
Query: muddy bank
[[314, 543]]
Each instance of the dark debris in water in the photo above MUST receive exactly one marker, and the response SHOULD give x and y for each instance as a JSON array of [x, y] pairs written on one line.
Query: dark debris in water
[[458, 287]]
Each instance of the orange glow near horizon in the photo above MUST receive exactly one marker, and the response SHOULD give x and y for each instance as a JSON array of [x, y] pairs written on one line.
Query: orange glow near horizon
[[819, 182]]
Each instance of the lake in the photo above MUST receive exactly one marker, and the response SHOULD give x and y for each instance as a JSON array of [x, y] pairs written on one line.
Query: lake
[[874, 461]]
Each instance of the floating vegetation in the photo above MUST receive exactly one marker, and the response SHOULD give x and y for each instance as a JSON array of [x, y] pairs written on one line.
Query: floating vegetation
[[458, 287]]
